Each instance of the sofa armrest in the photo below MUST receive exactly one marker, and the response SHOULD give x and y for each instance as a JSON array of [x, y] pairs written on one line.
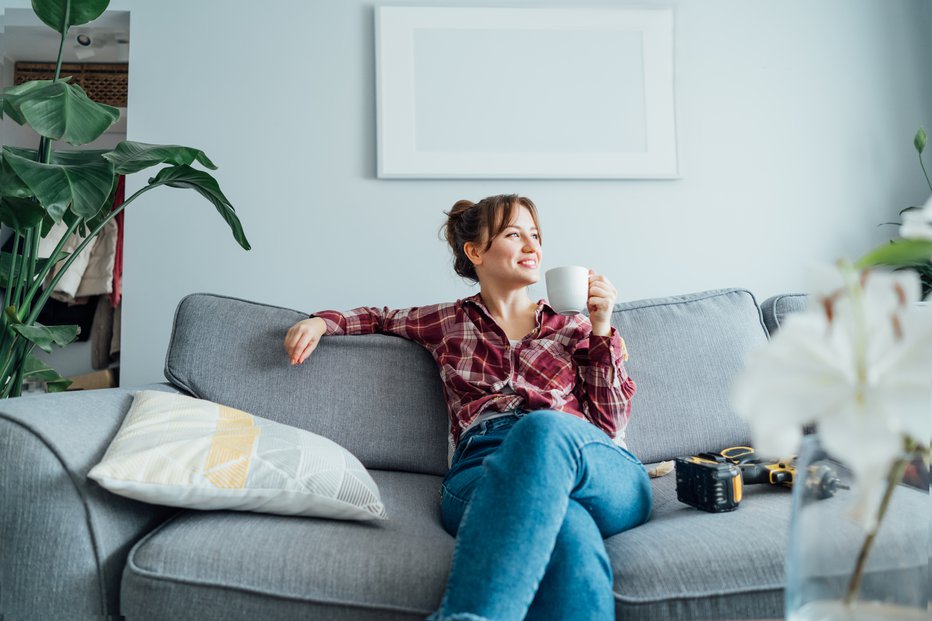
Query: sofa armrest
[[63, 538]]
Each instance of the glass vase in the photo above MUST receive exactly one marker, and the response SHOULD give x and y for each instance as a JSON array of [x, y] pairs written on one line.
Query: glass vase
[[825, 543]]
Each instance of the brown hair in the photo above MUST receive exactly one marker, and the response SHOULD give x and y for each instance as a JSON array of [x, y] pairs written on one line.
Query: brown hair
[[480, 222]]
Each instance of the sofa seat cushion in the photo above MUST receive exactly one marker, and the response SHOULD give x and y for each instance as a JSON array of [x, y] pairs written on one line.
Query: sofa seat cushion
[[226, 565], [688, 564], [682, 564]]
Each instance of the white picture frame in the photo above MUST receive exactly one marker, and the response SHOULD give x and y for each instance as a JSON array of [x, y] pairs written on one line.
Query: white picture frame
[[525, 93]]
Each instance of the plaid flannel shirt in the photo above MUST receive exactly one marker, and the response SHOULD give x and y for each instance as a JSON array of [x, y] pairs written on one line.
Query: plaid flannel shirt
[[560, 365]]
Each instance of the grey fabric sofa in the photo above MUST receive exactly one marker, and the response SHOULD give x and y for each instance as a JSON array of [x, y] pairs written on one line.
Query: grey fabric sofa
[[70, 549]]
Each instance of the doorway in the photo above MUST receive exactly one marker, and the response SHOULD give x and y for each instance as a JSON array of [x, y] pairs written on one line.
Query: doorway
[[97, 56]]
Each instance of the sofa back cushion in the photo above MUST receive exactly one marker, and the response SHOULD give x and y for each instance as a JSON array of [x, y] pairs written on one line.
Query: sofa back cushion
[[377, 396], [775, 309], [684, 352], [380, 397]]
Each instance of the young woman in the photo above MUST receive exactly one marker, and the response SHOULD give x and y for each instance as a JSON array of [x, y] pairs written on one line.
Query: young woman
[[535, 399]]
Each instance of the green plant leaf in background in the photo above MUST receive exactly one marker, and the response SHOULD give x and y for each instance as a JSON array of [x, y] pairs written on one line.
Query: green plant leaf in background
[[63, 14], [36, 370], [903, 252], [920, 140], [130, 157], [59, 110], [20, 214], [85, 187], [186, 177], [15, 94], [44, 336], [10, 184]]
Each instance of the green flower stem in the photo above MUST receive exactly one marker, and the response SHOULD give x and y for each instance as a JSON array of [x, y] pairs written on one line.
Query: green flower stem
[[896, 475], [37, 284], [924, 171], [74, 255]]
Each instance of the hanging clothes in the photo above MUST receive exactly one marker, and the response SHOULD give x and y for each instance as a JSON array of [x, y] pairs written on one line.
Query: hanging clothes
[[117, 292], [94, 271]]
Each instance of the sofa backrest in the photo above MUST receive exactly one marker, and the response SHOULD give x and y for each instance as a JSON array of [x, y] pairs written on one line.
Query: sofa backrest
[[381, 398], [775, 309], [377, 396], [684, 353]]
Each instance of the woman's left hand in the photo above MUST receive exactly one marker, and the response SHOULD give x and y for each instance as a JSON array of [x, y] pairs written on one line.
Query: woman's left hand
[[601, 301]]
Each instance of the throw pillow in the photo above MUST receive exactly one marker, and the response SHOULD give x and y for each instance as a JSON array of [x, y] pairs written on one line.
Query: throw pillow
[[185, 452]]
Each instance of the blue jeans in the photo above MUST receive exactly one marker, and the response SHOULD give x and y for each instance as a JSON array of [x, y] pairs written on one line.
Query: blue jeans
[[530, 498]]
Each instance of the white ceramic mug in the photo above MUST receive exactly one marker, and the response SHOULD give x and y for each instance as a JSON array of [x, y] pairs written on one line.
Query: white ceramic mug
[[568, 289]]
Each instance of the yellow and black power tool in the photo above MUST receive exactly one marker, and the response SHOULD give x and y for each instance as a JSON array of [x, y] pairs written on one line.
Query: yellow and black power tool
[[715, 482]]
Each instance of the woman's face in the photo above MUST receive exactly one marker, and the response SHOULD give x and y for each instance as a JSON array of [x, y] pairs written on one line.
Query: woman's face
[[515, 254]]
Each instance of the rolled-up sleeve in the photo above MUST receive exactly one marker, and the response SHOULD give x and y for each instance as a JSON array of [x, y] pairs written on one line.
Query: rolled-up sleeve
[[423, 324], [605, 389]]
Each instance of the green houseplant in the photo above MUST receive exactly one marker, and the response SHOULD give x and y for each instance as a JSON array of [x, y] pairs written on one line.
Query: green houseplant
[[41, 188], [913, 250]]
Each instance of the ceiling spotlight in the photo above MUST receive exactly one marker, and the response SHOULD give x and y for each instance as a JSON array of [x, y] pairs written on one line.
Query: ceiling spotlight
[[84, 40]]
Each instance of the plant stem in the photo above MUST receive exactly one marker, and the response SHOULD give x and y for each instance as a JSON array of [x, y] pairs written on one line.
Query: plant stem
[[74, 255], [5, 373], [854, 585], [31, 294], [31, 267], [61, 47], [8, 294], [16, 386], [23, 261], [924, 171]]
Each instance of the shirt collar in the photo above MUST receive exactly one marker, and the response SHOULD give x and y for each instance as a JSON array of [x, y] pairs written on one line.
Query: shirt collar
[[542, 306]]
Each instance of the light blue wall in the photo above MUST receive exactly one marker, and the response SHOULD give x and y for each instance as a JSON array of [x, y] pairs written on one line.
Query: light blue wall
[[794, 120]]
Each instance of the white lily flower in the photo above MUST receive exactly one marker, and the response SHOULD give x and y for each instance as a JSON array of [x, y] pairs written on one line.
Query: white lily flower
[[917, 223], [858, 363]]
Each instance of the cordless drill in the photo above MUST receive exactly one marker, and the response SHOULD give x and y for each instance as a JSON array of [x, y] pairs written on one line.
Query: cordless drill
[[715, 482]]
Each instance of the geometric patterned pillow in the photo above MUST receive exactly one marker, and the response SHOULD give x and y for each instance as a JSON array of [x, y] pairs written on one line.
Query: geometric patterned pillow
[[185, 452]]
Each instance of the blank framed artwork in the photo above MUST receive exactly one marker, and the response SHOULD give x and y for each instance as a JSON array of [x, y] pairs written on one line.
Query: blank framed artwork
[[525, 93]]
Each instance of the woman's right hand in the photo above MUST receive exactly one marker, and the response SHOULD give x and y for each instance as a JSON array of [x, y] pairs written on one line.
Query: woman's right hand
[[302, 338]]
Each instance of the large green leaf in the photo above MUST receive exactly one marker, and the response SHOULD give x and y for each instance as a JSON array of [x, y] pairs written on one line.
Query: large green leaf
[[20, 214], [187, 177], [81, 156], [59, 110], [44, 336], [35, 369], [63, 14], [6, 258], [84, 187], [15, 94], [130, 157], [901, 252], [11, 184]]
